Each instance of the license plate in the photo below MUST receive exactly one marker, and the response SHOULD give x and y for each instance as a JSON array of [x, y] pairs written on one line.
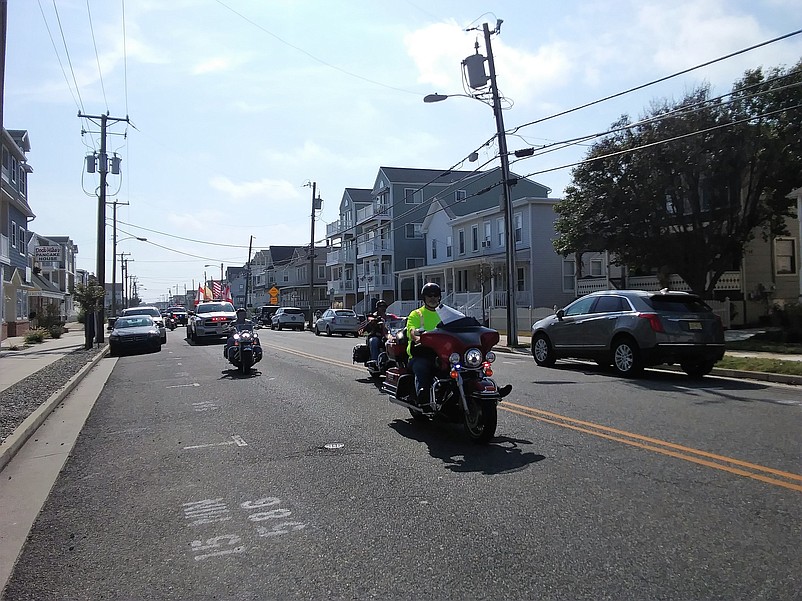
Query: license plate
[[694, 325]]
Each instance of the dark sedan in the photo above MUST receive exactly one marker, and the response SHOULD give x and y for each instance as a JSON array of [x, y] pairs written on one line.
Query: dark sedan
[[136, 332], [633, 329]]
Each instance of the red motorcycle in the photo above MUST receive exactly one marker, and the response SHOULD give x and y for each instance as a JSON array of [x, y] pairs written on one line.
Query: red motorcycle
[[462, 390]]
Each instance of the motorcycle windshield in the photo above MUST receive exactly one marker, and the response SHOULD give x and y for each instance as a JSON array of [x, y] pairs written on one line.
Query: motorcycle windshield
[[448, 314]]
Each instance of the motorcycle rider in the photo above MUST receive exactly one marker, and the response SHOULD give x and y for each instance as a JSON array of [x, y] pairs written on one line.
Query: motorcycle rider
[[376, 328], [241, 320], [420, 320]]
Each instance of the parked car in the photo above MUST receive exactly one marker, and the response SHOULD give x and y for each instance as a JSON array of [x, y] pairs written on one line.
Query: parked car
[[633, 329], [152, 312], [134, 332], [265, 315], [180, 314], [210, 320], [288, 317], [337, 321]]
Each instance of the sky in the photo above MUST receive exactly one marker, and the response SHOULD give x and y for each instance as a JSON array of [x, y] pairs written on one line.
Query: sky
[[235, 106]]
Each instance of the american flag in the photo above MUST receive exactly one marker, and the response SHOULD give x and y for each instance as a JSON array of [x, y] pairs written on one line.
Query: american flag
[[217, 289]]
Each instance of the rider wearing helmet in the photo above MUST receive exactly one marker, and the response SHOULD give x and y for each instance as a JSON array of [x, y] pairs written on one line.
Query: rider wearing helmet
[[241, 320], [376, 328], [421, 320]]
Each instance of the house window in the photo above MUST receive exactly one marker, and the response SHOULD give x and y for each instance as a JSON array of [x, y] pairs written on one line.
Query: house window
[[501, 231], [22, 180], [486, 241], [460, 195], [569, 271], [520, 279], [519, 227], [13, 170], [413, 196], [321, 272], [434, 249], [596, 267], [785, 256], [474, 238], [413, 262], [21, 240], [13, 234], [285, 277], [461, 242], [413, 230], [448, 246]]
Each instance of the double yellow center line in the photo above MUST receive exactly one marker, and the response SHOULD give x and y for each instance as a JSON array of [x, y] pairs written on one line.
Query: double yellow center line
[[719, 462]]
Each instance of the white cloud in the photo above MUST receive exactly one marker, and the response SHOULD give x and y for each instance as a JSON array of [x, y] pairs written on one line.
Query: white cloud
[[272, 190]]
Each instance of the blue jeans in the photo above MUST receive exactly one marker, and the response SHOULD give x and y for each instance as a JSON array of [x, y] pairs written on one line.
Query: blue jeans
[[374, 344], [423, 368]]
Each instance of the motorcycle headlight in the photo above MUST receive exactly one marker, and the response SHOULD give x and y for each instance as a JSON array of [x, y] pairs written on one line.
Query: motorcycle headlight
[[490, 357], [453, 358], [473, 357]]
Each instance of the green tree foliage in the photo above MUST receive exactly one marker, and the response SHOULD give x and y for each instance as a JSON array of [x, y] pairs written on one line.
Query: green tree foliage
[[684, 189], [89, 297]]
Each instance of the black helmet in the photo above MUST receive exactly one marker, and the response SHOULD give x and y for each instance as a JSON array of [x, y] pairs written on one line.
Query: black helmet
[[241, 310], [381, 303], [430, 289]]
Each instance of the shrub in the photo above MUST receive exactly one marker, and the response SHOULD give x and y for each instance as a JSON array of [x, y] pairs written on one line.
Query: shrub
[[37, 335], [56, 330]]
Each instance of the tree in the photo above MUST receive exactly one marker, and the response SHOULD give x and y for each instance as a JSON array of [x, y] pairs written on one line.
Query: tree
[[90, 296], [687, 187]]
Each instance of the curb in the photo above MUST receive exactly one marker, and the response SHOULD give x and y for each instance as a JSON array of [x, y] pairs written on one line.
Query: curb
[[12, 444]]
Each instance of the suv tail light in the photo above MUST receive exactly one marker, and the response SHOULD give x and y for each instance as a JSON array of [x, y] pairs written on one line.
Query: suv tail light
[[654, 321]]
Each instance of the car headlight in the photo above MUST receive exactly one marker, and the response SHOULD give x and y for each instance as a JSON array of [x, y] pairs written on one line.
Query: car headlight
[[473, 357]]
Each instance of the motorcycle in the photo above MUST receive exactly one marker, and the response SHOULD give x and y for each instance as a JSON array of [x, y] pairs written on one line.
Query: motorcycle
[[244, 350], [377, 369], [169, 321], [462, 389]]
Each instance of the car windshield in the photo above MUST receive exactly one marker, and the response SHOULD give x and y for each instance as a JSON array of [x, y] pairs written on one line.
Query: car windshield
[[142, 311], [133, 322], [668, 304], [215, 307]]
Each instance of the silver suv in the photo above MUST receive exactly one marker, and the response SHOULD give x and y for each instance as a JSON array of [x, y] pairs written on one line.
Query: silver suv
[[210, 320], [288, 317], [633, 329], [154, 313]]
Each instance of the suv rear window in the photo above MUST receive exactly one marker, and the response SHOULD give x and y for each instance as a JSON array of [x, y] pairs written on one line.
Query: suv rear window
[[293, 311], [143, 311], [668, 304]]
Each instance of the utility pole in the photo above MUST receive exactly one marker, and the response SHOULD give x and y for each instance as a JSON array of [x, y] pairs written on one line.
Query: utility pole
[[101, 216], [114, 260], [248, 278], [315, 206], [512, 307], [124, 270]]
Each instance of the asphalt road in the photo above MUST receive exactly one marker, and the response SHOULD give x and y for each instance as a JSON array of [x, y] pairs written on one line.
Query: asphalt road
[[189, 481]]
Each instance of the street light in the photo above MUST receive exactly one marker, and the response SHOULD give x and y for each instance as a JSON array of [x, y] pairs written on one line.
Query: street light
[[479, 80], [114, 269]]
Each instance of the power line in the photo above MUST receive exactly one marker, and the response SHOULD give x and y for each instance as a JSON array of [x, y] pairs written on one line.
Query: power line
[[660, 80], [97, 56]]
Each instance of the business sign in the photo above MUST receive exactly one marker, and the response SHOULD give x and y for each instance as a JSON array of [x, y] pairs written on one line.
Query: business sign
[[45, 254]]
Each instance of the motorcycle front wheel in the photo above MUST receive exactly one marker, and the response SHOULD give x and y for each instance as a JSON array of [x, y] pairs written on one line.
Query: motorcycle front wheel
[[481, 419]]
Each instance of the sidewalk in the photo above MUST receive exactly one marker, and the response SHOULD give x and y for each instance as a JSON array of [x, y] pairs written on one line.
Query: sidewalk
[[18, 365]]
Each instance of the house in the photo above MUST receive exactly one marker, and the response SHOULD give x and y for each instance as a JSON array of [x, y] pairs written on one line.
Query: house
[[341, 238], [47, 298], [15, 212], [293, 281]]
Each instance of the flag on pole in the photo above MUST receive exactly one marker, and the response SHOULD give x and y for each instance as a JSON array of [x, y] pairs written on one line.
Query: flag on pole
[[227, 294], [217, 289], [207, 293], [199, 295]]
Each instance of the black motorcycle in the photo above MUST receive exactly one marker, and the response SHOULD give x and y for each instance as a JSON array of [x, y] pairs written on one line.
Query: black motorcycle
[[243, 349]]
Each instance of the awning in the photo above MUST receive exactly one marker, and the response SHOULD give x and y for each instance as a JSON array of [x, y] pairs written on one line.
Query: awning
[[44, 288]]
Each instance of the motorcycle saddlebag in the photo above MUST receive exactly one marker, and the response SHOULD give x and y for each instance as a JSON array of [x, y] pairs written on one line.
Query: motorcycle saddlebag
[[361, 353]]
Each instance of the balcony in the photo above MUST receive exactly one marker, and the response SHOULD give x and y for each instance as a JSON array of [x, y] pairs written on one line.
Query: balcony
[[340, 286], [340, 256], [340, 228], [376, 246], [374, 211]]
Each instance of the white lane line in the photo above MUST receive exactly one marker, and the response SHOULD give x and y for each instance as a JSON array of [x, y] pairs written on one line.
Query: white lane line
[[237, 440], [184, 385]]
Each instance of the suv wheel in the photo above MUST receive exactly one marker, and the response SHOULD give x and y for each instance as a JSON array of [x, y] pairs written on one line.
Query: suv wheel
[[542, 351], [626, 357]]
